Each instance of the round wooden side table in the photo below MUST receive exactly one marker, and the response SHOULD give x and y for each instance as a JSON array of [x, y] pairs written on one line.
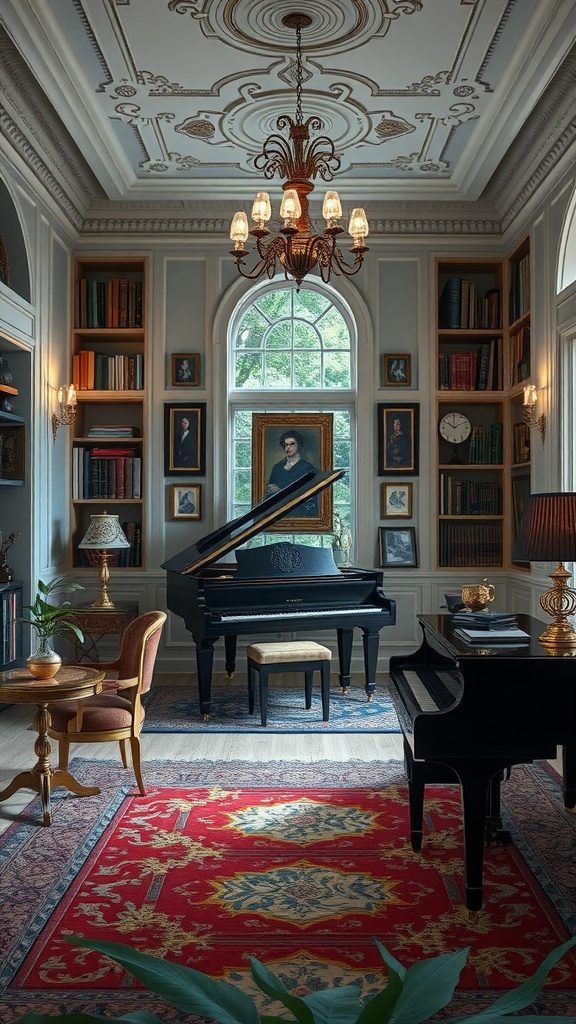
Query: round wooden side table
[[71, 682]]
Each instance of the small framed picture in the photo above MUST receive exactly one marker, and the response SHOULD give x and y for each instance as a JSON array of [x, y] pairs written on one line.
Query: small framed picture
[[185, 501], [397, 546], [396, 501], [398, 439], [396, 371], [185, 370], [184, 439]]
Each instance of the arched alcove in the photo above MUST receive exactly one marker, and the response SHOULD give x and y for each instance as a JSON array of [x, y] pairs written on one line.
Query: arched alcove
[[16, 272]]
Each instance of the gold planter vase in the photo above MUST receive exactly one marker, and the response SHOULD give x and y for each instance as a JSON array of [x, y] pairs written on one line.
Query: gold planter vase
[[44, 663]]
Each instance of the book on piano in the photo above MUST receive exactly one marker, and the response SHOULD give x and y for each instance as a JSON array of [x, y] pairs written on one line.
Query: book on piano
[[489, 637], [485, 620]]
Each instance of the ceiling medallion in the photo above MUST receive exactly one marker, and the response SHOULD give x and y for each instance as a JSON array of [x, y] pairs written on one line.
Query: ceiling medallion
[[297, 250]]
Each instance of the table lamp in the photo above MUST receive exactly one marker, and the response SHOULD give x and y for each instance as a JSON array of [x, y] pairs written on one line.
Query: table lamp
[[548, 534], [104, 534]]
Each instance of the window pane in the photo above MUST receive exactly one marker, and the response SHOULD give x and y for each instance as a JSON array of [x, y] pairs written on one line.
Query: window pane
[[334, 329], [248, 371], [276, 304], [337, 370], [310, 305], [250, 333], [305, 336], [307, 370], [278, 366], [242, 455], [280, 336]]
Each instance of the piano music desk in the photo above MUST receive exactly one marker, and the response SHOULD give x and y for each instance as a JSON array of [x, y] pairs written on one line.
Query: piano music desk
[[494, 707]]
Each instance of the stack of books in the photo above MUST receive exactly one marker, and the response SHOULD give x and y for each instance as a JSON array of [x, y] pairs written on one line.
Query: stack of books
[[489, 628]]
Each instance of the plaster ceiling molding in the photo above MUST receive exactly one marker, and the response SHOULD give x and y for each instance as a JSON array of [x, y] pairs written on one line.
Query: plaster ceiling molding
[[549, 133], [161, 102]]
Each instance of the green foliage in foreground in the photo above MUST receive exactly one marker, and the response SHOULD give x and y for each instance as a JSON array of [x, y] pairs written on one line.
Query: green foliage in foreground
[[48, 619], [412, 995]]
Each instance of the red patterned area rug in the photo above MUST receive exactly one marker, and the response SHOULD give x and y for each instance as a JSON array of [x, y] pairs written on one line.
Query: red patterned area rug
[[299, 865]]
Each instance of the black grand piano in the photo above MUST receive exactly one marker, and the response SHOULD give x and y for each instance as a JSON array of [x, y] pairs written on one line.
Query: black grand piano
[[274, 588], [469, 713]]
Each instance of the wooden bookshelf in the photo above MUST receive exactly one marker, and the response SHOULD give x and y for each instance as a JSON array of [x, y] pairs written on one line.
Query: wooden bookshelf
[[109, 370], [481, 361]]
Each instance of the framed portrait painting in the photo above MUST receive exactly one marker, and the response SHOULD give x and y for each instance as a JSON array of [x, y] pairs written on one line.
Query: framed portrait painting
[[185, 370], [397, 546], [286, 446], [396, 501], [398, 439], [396, 371], [184, 439], [184, 501]]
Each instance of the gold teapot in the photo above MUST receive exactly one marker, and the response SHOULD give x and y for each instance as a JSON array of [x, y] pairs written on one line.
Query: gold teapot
[[477, 595]]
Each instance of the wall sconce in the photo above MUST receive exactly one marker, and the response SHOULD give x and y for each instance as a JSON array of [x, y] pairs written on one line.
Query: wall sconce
[[530, 417], [66, 415]]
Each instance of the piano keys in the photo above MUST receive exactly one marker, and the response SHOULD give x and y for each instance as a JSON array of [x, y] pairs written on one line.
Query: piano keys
[[274, 588], [468, 714]]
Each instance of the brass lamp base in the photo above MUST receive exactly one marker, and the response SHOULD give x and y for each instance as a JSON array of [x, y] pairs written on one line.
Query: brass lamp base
[[560, 603], [103, 600]]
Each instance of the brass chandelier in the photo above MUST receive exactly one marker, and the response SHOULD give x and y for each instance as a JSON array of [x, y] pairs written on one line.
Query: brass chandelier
[[298, 159]]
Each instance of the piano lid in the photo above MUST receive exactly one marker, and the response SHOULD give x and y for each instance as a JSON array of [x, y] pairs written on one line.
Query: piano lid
[[263, 515]]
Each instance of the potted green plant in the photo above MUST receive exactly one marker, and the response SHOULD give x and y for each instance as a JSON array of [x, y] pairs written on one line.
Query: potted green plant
[[412, 995], [49, 620]]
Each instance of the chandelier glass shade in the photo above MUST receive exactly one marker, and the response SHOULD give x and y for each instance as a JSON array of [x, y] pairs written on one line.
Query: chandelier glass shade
[[299, 159]]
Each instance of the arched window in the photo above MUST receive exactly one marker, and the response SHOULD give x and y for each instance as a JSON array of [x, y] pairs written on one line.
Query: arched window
[[292, 352]]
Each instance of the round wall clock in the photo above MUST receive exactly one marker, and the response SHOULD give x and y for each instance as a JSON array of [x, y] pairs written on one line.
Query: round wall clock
[[455, 428]]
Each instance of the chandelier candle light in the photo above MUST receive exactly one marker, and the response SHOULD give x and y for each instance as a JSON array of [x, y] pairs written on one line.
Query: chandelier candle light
[[104, 534], [297, 250]]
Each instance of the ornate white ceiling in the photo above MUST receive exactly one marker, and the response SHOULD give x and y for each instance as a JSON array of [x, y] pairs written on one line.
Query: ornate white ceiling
[[170, 100]]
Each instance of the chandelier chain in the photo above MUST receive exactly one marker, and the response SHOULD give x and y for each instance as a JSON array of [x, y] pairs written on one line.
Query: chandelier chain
[[298, 74]]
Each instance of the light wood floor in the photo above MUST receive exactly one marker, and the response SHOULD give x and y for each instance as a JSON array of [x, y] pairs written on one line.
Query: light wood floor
[[17, 746]]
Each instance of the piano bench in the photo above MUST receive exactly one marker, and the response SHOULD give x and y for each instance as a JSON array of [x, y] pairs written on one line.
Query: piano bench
[[289, 656]]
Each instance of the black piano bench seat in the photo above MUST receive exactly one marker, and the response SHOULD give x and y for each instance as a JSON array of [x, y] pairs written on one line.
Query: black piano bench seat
[[288, 656]]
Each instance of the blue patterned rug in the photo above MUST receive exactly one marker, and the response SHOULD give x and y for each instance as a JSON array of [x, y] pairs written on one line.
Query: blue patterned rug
[[175, 709]]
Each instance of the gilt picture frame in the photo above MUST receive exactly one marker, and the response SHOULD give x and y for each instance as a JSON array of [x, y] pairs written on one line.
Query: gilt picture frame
[[184, 438], [396, 371], [398, 429], [396, 500], [185, 369], [184, 501], [397, 547], [274, 459]]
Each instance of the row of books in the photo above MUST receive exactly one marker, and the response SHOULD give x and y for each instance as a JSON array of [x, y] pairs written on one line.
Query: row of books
[[106, 473], [521, 442], [113, 430], [462, 308], [10, 639], [520, 289], [470, 544], [95, 371], [468, 497], [123, 557], [113, 303], [486, 445], [476, 370], [520, 356]]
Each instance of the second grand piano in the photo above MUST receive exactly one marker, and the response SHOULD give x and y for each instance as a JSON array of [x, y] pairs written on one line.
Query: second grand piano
[[274, 588]]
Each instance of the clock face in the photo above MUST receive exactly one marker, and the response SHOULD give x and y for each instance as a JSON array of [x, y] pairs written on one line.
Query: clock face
[[455, 427]]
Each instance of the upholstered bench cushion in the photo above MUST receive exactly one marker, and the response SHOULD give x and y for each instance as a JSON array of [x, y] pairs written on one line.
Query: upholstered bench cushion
[[287, 651]]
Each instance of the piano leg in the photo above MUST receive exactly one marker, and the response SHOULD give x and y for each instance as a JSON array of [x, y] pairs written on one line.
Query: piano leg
[[569, 775], [345, 637], [370, 640], [204, 663], [230, 654]]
